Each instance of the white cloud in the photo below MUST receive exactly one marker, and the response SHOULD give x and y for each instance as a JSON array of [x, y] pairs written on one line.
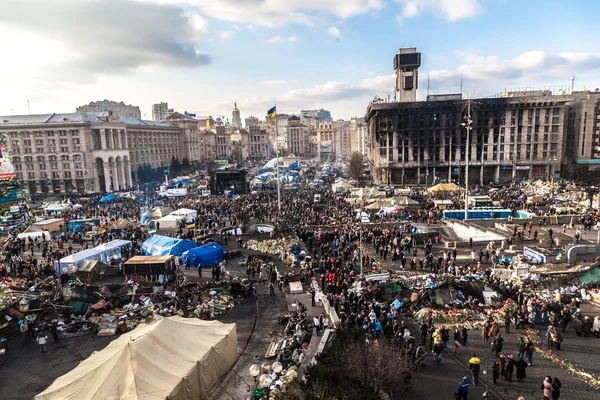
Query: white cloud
[[105, 41], [276, 82], [228, 34], [451, 10], [281, 39], [333, 31], [273, 13]]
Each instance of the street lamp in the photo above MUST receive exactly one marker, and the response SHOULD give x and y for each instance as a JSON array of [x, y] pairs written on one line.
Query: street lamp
[[468, 126], [427, 171], [553, 159]]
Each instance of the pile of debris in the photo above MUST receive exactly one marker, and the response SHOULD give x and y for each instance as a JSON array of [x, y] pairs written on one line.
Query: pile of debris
[[287, 352]]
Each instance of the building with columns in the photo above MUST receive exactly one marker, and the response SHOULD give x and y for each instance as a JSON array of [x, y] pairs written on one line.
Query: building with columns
[[85, 152]]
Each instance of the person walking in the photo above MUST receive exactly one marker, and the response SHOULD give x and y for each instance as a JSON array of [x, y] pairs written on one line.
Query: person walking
[[547, 388], [510, 367], [475, 367], [496, 372], [462, 390], [521, 365], [529, 352], [42, 339], [317, 324], [556, 385]]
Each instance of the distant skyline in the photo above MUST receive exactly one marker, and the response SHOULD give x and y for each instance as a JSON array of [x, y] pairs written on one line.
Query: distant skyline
[[202, 55]]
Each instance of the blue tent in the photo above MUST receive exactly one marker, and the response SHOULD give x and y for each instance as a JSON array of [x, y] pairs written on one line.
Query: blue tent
[[108, 198], [158, 245], [294, 166], [204, 256]]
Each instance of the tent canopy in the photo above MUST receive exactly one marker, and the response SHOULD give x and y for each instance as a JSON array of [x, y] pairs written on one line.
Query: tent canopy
[[444, 187], [158, 245], [171, 221], [375, 206], [175, 358], [154, 214], [204, 256], [91, 269], [108, 198]]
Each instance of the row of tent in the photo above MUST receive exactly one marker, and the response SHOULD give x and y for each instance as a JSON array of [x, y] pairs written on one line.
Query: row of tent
[[203, 256]]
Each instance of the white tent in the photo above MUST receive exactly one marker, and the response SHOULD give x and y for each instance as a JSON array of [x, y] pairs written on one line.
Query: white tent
[[33, 235], [341, 186], [172, 358], [189, 214], [170, 221]]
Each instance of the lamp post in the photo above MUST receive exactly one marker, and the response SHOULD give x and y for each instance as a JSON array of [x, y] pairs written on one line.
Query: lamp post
[[427, 171], [468, 126], [552, 160]]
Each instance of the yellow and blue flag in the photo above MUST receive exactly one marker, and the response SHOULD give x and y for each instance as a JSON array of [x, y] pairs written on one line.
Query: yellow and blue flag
[[237, 196], [191, 225], [232, 186], [272, 113]]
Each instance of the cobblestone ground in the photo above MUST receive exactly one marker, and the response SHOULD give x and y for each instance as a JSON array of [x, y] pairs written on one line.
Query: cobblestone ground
[[581, 351]]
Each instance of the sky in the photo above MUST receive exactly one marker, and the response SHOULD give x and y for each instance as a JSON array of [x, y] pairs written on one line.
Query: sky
[[202, 55]]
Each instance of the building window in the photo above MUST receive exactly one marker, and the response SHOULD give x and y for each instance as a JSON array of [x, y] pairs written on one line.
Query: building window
[[39, 150], [66, 166]]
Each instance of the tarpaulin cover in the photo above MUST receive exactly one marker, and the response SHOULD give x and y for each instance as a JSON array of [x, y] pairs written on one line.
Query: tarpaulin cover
[[172, 358], [158, 245], [108, 198], [204, 256]]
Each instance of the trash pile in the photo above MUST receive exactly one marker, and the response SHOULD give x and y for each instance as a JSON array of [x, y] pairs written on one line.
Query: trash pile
[[287, 248], [274, 246], [470, 318], [288, 352], [214, 303]]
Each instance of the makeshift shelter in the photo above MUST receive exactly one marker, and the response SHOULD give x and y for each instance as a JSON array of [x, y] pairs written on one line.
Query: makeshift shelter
[[91, 269], [376, 194], [148, 265], [374, 206], [50, 225], [443, 204], [171, 221], [108, 198], [158, 245], [204, 256], [171, 358], [70, 263], [55, 207], [113, 249], [536, 198], [341, 186], [36, 234], [442, 188], [187, 213], [79, 224], [403, 202], [153, 214]]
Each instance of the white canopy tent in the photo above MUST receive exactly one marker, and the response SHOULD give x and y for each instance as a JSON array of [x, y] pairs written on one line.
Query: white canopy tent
[[171, 221], [171, 358], [189, 214]]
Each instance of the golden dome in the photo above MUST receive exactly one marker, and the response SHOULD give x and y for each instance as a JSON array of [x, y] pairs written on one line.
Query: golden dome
[[235, 109]]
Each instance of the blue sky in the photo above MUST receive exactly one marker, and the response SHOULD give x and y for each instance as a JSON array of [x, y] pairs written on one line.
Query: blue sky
[[201, 55]]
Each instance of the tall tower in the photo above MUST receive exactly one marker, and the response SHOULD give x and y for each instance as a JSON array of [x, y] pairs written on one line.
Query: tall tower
[[406, 65], [236, 120]]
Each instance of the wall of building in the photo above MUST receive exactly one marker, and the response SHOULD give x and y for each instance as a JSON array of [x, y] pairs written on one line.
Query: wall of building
[[511, 139]]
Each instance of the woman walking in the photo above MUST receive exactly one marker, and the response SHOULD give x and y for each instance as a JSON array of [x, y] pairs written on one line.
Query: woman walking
[[547, 388]]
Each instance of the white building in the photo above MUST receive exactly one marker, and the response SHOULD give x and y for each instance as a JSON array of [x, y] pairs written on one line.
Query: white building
[[161, 111]]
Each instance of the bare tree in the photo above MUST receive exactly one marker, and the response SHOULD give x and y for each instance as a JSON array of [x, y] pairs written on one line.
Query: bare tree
[[350, 368], [355, 165]]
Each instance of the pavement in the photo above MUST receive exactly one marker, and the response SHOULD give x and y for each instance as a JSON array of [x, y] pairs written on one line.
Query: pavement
[[581, 351]]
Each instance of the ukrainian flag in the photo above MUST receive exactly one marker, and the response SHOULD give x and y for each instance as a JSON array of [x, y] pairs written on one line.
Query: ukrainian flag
[[191, 225], [272, 113], [232, 186], [152, 231], [237, 196]]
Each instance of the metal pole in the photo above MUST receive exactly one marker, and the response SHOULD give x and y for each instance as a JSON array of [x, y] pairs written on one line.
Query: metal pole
[[468, 126], [277, 162]]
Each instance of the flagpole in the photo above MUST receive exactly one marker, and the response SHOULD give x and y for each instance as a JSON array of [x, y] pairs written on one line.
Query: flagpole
[[277, 161]]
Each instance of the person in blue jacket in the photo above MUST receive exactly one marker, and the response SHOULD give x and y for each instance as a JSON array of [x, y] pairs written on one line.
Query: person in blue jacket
[[462, 390]]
